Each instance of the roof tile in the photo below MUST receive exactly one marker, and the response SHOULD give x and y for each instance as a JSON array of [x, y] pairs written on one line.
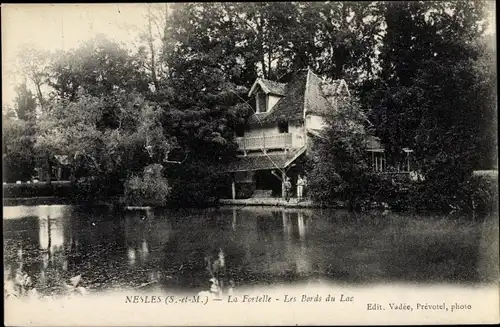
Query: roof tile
[[262, 161], [306, 91], [274, 87]]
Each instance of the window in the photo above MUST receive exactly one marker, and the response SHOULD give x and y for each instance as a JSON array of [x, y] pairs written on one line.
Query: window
[[260, 103], [240, 130], [283, 127]]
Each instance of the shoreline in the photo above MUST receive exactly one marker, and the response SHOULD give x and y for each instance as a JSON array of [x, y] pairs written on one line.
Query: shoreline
[[278, 202], [268, 202]]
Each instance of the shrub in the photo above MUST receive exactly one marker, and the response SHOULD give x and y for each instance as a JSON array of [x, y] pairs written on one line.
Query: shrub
[[96, 188], [197, 184], [53, 189], [483, 193], [150, 188]]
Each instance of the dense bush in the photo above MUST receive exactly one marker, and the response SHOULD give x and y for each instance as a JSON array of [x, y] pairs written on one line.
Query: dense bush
[[197, 184], [340, 170], [97, 188], [484, 193], [18, 157], [149, 188], [474, 193], [54, 189]]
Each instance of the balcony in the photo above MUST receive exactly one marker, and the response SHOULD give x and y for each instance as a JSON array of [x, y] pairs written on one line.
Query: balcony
[[266, 142]]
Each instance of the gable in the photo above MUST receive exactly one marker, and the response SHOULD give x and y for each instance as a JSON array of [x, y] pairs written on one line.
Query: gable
[[315, 100], [290, 107], [268, 87], [306, 93]]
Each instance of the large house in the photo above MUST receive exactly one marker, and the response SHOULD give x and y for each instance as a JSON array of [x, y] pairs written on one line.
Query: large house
[[278, 134]]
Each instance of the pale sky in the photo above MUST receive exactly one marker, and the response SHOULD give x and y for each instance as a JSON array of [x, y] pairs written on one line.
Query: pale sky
[[52, 27]]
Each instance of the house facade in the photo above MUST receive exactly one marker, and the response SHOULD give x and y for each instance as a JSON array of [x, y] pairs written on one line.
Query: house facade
[[278, 134]]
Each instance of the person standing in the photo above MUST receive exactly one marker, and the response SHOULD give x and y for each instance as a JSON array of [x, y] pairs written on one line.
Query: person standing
[[288, 189], [304, 188], [300, 187]]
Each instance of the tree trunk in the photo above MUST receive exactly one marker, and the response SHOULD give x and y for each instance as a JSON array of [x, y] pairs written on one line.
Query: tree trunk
[[49, 169], [40, 96], [152, 49], [269, 59], [260, 41]]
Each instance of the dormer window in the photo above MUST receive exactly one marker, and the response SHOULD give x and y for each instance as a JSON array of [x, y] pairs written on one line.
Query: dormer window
[[267, 94], [260, 102]]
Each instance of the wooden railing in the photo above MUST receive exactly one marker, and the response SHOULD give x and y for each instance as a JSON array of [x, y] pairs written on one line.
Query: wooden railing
[[265, 142]]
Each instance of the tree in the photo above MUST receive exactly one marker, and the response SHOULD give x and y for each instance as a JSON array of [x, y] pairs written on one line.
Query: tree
[[25, 103], [434, 92], [108, 154], [33, 65], [99, 66], [17, 150], [18, 136], [149, 42], [340, 167]]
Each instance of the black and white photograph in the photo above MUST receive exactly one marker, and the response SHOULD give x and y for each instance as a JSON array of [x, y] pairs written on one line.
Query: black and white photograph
[[250, 163]]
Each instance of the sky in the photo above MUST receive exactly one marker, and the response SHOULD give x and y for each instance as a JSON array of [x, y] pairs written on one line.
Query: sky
[[65, 26], [52, 27]]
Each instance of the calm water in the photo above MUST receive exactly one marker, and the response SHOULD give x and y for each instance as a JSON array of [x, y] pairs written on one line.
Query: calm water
[[167, 249]]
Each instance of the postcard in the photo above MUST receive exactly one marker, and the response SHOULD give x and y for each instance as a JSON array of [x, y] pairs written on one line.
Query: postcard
[[232, 163]]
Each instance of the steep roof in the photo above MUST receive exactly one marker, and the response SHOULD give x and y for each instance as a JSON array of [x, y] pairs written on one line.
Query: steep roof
[[290, 107], [261, 161], [268, 86], [305, 93]]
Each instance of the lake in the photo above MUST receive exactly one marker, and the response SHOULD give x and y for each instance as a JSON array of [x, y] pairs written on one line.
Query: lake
[[167, 249]]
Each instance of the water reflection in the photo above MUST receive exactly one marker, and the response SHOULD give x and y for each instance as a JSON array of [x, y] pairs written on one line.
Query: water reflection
[[261, 245]]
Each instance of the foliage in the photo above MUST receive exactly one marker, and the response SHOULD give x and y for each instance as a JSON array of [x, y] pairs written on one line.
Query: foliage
[[435, 94], [340, 168], [17, 150], [74, 129], [18, 137], [56, 189], [197, 182], [273, 39], [25, 103], [423, 72], [151, 187], [33, 65], [99, 66], [475, 194]]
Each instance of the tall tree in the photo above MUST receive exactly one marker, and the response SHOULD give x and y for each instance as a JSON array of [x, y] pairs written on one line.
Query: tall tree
[[73, 129], [33, 64], [99, 66], [340, 167], [25, 103], [148, 42], [18, 158], [433, 92]]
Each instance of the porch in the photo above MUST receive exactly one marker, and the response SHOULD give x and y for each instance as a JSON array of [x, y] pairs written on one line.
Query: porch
[[380, 165], [282, 141], [261, 175]]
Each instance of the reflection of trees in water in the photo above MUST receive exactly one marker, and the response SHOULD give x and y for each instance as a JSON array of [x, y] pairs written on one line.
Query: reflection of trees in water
[[273, 243], [198, 237], [109, 249], [145, 234], [39, 243]]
